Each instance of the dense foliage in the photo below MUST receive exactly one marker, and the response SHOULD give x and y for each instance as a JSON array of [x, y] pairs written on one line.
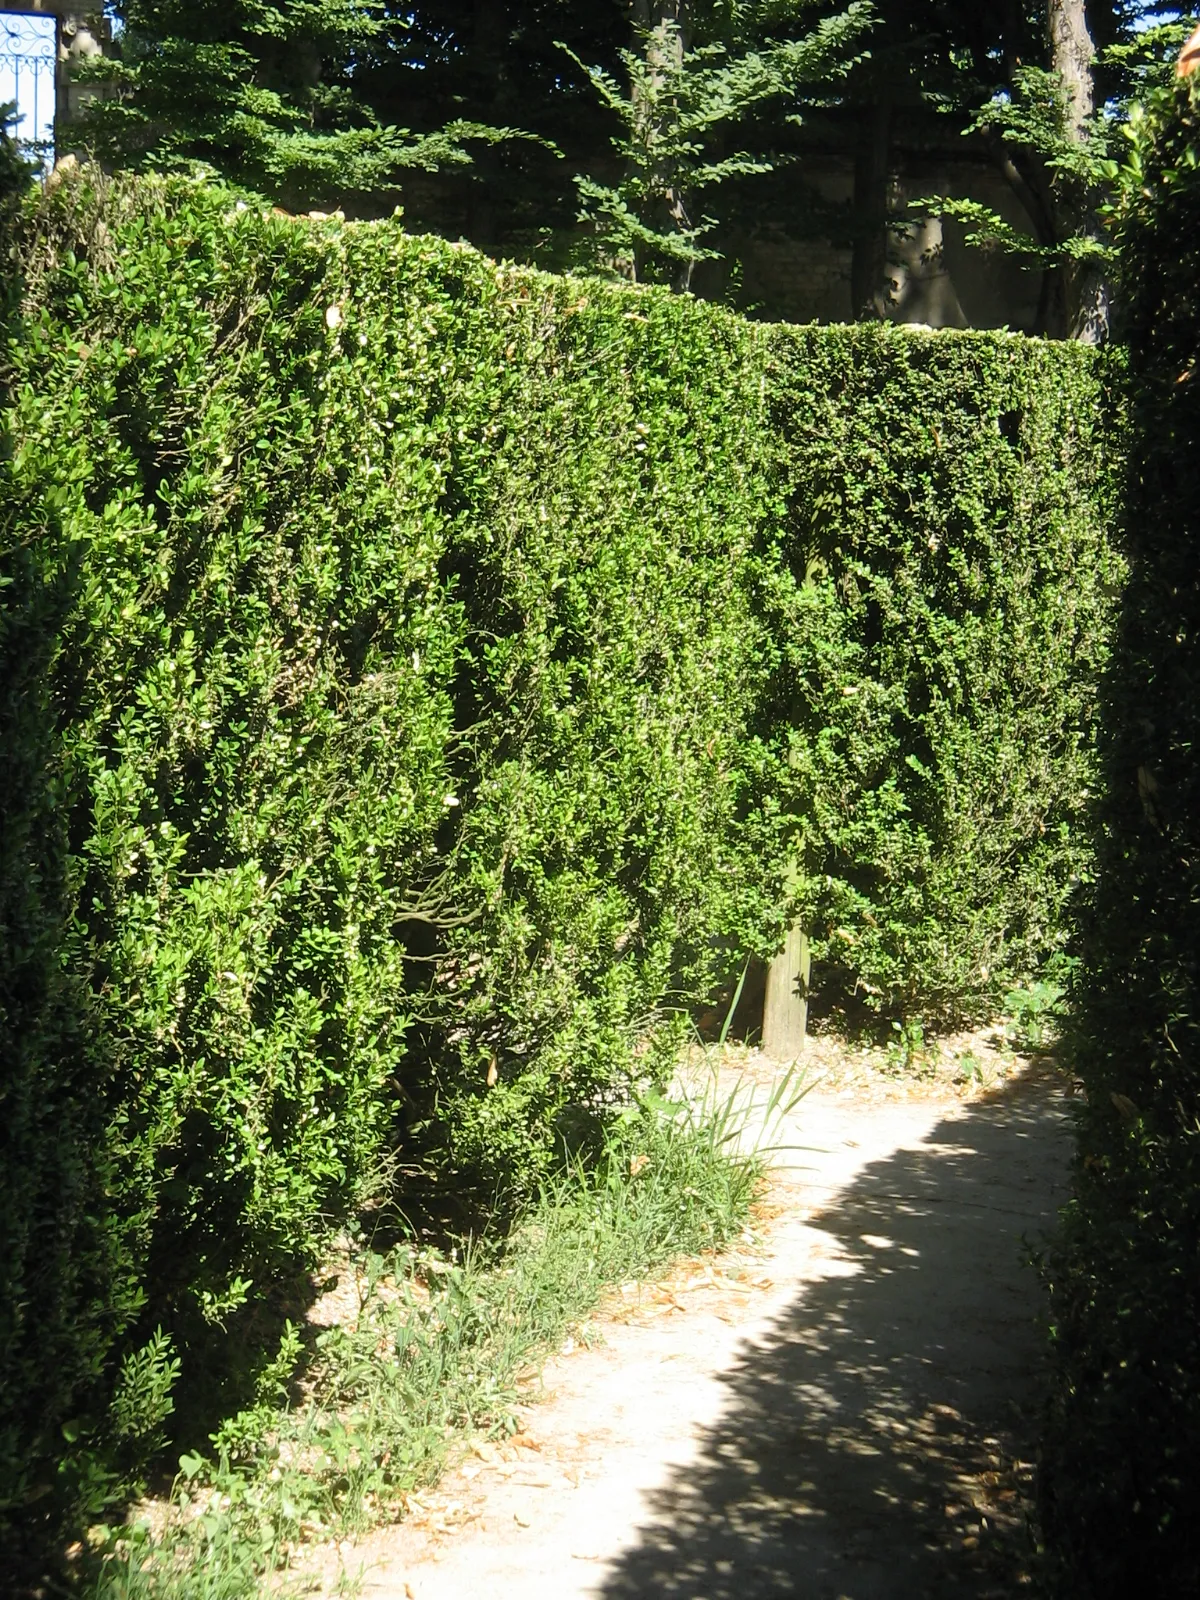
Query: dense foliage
[[737, 123], [420, 677], [16, 172], [263, 93], [1121, 1475], [683, 107], [939, 607]]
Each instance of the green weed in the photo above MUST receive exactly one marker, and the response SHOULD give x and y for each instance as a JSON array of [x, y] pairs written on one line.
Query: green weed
[[908, 1053], [970, 1068], [1034, 1014]]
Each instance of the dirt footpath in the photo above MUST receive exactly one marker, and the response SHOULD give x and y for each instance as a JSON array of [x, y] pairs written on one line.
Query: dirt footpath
[[837, 1410]]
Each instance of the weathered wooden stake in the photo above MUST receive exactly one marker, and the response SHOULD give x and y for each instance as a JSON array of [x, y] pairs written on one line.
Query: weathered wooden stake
[[785, 1010]]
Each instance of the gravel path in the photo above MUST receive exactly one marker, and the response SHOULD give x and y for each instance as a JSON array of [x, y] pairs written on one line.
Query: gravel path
[[838, 1410]]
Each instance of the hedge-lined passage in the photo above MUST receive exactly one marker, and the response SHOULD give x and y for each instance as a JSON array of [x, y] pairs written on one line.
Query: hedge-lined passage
[[1120, 1484], [421, 677]]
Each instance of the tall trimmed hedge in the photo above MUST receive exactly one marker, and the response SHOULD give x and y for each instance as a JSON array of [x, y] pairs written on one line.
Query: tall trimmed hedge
[[1120, 1483], [939, 603], [421, 676]]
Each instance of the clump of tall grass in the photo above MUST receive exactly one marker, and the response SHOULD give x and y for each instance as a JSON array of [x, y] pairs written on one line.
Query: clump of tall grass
[[441, 1349]]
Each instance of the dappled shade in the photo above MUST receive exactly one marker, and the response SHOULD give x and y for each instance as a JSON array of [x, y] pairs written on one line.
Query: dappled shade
[[876, 1442]]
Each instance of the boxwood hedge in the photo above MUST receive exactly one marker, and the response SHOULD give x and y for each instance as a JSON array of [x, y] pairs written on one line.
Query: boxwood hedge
[[1120, 1479], [421, 676]]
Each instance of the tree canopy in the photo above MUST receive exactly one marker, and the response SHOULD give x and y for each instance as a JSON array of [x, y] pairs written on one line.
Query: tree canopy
[[646, 137]]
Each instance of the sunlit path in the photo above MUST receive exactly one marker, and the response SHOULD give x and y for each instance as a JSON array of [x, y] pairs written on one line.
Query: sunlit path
[[845, 1418]]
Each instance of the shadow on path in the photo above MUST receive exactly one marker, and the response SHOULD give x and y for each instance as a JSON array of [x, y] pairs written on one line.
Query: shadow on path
[[874, 1442]]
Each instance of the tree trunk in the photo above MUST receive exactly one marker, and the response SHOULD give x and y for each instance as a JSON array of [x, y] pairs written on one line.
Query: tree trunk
[[1071, 56], [869, 287], [648, 14], [665, 52]]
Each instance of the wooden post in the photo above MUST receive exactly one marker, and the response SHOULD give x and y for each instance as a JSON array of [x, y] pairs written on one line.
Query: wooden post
[[785, 1010]]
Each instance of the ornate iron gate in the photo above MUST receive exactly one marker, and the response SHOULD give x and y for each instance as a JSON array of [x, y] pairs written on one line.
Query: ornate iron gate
[[29, 79]]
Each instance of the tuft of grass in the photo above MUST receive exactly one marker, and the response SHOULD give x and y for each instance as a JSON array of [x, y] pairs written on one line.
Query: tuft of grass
[[442, 1348]]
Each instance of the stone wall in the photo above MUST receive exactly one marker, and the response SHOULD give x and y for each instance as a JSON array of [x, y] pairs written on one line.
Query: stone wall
[[936, 278]]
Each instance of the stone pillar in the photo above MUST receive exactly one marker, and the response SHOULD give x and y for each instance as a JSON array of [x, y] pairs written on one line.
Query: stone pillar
[[82, 35]]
